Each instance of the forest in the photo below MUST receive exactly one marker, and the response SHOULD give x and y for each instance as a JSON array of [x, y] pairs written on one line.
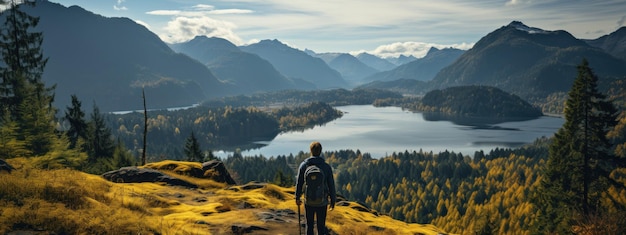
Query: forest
[[234, 122], [477, 101], [486, 193], [333, 97], [573, 182]]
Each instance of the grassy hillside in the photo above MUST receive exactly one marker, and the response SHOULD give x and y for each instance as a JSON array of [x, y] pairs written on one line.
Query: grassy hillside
[[72, 202]]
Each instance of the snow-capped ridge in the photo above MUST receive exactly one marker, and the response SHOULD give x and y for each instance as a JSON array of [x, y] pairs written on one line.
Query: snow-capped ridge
[[522, 27]]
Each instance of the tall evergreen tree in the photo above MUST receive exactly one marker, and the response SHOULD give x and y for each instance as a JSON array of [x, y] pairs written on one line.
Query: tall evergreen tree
[[23, 95], [100, 144], [22, 56], [192, 149], [76, 117], [36, 122], [121, 156], [580, 158], [10, 146]]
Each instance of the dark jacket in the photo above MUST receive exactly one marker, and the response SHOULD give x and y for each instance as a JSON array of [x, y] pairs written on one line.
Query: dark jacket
[[328, 172]]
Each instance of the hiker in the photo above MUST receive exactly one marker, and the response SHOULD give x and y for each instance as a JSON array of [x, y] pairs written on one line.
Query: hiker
[[315, 181]]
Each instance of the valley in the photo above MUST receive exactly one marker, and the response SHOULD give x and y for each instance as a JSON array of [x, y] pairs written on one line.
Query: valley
[[524, 132]]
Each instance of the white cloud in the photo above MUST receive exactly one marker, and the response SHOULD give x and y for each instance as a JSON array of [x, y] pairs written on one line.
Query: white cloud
[[251, 41], [199, 10], [164, 12], [119, 7], [144, 24], [195, 21], [417, 49], [230, 11], [621, 22], [351, 25], [203, 7], [512, 2], [182, 29]]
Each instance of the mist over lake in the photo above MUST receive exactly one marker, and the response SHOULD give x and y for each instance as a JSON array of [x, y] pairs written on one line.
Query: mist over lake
[[382, 131]]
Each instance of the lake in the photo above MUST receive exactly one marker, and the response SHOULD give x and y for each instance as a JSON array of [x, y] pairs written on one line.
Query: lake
[[382, 131]]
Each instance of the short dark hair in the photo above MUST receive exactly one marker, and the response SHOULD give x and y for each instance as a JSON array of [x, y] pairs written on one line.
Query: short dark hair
[[316, 148]]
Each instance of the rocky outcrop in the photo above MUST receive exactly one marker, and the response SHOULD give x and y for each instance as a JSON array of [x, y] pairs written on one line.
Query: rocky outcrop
[[243, 229], [216, 170], [5, 166], [140, 175], [213, 170]]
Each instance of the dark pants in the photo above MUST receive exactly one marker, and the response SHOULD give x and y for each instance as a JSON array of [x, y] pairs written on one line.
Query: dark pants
[[312, 213]]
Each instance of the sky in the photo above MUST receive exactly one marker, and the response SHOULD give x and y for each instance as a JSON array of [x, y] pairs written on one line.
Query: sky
[[387, 28]]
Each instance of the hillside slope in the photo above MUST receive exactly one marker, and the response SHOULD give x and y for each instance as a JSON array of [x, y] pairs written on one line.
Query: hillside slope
[[72, 202], [248, 72], [422, 69], [109, 60], [297, 64], [351, 68], [613, 43], [528, 62]]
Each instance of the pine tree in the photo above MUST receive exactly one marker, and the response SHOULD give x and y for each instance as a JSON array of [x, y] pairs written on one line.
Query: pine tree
[[23, 59], [99, 142], [192, 149], [10, 146], [580, 157], [121, 156], [283, 180], [36, 122], [23, 95], [76, 118]]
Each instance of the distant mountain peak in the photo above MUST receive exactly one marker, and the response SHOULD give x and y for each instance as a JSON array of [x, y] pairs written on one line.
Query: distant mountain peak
[[272, 42], [432, 50], [214, 41], [522, 27]]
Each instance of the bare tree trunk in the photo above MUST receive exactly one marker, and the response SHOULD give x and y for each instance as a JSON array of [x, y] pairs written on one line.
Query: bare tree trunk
[[145, 127]]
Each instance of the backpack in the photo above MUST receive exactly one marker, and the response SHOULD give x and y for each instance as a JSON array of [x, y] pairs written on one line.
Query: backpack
[[314, 186]]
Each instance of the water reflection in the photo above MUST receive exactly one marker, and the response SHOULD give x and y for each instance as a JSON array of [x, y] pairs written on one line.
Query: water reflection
[[382, 131], [479, 122]]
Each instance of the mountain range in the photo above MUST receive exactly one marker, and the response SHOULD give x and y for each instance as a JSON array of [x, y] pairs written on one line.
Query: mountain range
[[614, 43], [422, 69], [247, 72], [351, 68], [527, 61], [375, 62], [297, 64], [108, 61]]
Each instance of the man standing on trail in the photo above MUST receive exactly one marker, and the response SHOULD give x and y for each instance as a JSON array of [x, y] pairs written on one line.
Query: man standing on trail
[[315, 180]]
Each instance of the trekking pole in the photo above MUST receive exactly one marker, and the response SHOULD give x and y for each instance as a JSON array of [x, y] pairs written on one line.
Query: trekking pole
[[299, 222]]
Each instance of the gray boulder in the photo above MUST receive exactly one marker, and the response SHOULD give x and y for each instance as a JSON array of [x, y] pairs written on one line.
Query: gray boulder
[[216, 170], [139, 175], [5, 166]]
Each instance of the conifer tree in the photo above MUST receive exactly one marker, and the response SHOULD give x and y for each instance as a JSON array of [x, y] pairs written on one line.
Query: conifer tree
[[580, 157], [22, 56], [100, 144], [10, 146], [121, 156], [192, 149], [283, 180], [76, 117], [36, 122], [23, 95]]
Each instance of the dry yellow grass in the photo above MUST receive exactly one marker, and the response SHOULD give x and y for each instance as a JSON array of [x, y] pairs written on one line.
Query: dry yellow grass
[[73, 202]]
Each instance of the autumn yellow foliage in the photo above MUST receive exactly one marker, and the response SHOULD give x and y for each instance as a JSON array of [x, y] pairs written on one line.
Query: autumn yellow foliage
[[72, 202]]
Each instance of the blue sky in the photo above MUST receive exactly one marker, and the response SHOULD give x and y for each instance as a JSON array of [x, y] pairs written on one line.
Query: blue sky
[[384, 27]]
